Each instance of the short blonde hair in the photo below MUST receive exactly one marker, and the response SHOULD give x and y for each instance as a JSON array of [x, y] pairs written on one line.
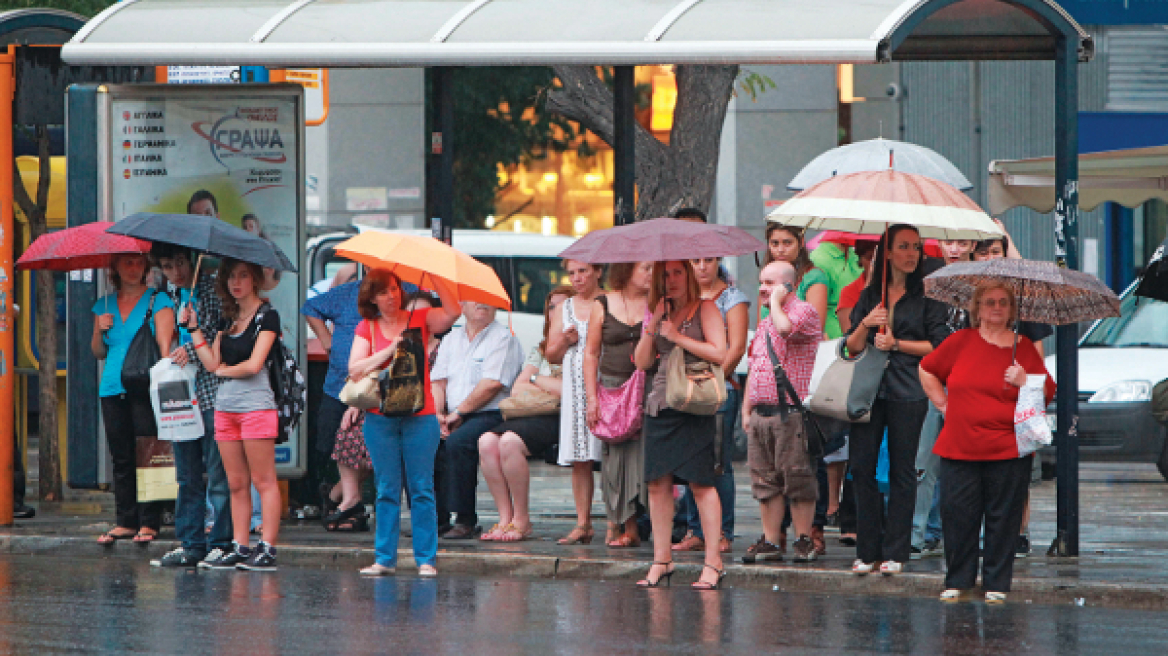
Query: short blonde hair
[[984, 287]]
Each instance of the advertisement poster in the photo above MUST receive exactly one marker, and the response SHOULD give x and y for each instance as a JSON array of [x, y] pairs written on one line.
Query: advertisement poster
[[225, 151]]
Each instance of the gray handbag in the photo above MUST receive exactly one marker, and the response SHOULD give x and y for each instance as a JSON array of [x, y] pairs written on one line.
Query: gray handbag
[[849, 386]]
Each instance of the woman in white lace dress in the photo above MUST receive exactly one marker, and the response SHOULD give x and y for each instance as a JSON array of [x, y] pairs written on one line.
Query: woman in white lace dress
[[566, 340]]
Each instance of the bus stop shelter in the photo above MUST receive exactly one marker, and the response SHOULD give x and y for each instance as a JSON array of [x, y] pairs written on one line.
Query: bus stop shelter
[[624, 33]]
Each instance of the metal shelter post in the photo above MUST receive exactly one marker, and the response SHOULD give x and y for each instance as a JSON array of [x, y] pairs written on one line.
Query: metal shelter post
[[442, 151], [1066, 179], [7, 275], [624, 118]]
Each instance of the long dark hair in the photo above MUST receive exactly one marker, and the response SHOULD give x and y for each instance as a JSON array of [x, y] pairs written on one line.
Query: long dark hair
[[882, 275], [802, 262]]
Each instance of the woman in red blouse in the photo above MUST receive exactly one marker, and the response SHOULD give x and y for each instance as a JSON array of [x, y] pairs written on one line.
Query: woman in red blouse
[[974, 383]]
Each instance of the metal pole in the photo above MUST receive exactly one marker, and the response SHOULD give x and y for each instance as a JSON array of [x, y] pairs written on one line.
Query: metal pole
[[7, 387], [624, 117], [442, 150], [1066, 227]]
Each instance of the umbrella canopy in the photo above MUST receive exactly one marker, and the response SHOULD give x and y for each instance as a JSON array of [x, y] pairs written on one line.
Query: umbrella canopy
[[1046, 292], [661, 240], [931, 247], [205, 234], [1154, 283], [428, 262], [879, 155], [870, 201], [84, 247]]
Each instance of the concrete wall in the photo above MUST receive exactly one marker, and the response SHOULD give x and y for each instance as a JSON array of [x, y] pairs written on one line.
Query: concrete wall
[[375, 143]]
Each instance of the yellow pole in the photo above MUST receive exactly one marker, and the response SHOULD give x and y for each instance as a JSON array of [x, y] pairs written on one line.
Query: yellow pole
[[7, 228]]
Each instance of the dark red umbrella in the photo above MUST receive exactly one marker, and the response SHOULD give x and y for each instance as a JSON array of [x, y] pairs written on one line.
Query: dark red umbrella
[[83, 247], [661, 240]]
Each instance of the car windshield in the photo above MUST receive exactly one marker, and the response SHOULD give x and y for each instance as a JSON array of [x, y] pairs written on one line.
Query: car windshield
[[1142, 323]]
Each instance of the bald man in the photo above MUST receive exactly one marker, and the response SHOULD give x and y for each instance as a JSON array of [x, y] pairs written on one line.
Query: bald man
[[780, 470]]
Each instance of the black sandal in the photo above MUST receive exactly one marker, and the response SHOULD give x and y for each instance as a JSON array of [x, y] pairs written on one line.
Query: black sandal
[[702, 585], [109, 537], [667, 577], [334, 520]]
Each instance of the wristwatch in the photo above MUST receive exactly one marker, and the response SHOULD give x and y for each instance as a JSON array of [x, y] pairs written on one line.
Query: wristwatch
[[532, 379]]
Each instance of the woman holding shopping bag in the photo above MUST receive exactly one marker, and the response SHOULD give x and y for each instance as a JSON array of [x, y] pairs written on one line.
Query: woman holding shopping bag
[[973, 380], [127, 413]]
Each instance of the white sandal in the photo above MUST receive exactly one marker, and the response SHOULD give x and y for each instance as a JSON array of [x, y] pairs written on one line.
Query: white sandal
[[377, 569], [427, 571]]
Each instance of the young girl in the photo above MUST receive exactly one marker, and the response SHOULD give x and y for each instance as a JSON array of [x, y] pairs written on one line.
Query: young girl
[[246, 423]]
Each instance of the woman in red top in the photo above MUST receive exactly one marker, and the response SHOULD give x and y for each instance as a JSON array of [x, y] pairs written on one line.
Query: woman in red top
[[397, 443], [972, 380]]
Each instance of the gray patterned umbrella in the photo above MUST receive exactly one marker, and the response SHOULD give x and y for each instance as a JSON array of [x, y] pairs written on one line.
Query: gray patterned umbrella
[[1046, 293]]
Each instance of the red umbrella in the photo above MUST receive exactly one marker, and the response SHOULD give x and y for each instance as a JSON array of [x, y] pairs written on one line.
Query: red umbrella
[[932, 246], [661, 240], [83, 247]]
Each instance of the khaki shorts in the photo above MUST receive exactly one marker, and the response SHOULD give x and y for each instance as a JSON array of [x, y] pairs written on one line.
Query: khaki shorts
[[777, 455]]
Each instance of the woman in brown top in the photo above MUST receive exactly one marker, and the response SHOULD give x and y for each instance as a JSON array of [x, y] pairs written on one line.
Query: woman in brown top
[[679, 445], [615, 326]]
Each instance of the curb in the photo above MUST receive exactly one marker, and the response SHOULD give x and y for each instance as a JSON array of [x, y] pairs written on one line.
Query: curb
[[784, 578]]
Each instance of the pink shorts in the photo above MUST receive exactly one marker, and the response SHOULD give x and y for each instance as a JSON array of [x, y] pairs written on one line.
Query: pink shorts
[[257, 425]]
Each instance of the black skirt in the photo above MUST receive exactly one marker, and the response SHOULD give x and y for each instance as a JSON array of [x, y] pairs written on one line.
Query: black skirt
[[680, 444], [538, 433]]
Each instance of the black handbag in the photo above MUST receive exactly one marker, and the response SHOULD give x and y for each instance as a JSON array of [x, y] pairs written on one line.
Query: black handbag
[[141, 355], [817, 444], [403, 382]]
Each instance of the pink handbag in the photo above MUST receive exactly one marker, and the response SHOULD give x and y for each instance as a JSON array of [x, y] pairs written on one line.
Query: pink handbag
[[621, 409]]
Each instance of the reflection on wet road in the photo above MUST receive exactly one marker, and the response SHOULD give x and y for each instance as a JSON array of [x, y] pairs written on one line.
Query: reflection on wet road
[[54, 605]]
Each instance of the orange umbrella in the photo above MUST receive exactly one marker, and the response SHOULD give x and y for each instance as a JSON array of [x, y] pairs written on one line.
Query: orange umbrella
[[427, 262]]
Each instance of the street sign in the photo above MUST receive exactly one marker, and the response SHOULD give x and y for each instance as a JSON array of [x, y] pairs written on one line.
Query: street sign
[[202, 74]]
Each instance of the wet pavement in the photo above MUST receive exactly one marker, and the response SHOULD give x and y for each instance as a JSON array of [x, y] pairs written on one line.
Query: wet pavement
[[111, 605], [1124, 558]]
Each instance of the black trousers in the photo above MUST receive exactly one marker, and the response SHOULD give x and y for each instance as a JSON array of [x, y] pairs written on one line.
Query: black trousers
[[126, 418], [973, 492], [461, 470], [886, 535]]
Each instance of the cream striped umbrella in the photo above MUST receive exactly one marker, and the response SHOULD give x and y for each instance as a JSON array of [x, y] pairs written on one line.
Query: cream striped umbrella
[[867, 202]]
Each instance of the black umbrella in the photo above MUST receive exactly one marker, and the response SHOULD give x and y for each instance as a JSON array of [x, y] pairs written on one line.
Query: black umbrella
[[205, 234], [1154, 283]]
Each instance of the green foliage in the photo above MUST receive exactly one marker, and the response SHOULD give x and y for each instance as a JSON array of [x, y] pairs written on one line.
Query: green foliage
[[753, 84], [500, 119], [87, 8]]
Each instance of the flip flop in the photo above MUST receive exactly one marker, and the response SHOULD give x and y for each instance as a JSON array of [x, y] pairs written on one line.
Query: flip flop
[[145, 538], [109, 537]]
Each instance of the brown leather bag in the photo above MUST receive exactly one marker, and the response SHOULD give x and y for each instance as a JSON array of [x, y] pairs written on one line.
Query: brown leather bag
[[698, 388]]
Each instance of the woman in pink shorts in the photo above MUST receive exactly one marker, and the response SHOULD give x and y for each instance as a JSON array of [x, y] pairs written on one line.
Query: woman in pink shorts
[[246, 424]]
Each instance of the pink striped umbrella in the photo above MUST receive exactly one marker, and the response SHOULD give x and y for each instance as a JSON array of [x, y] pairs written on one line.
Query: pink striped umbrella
[[868, 202]]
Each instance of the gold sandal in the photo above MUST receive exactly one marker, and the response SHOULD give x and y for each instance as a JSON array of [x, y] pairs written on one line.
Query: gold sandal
[[585, 536]]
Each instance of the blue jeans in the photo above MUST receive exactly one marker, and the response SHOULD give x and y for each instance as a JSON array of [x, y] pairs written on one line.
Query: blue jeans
[[927, 512], [408, 444], [193, 459], [724, 484]]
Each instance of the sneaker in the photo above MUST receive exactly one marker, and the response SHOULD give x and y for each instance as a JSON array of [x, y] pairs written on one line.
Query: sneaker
[[1022, 547], [891, 567], [954, 595], [804, 550], [762, 550], [861, 568], [178, 558], [262, 559], [220, 559], [995, 598]]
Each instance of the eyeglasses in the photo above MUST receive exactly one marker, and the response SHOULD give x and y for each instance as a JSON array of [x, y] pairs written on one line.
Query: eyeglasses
[[1001, 302]]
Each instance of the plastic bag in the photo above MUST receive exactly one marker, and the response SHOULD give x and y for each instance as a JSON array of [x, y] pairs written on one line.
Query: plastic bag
[[1030, 427], [176, 405]]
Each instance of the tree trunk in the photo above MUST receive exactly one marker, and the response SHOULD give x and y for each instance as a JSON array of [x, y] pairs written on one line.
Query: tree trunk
[[49, 457], [680, 174]]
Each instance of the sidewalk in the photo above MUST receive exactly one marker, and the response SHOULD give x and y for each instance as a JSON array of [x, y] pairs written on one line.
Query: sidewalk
[[1124, 545]]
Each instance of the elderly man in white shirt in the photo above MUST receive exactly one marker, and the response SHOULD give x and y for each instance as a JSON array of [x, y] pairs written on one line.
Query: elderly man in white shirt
[[476, 364]]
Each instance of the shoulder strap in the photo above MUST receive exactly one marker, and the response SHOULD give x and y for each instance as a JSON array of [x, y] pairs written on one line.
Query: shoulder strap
[[782, 382], [258, 319], [149, 308]]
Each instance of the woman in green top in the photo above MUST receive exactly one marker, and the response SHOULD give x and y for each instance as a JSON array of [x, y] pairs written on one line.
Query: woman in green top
[[786, 244]]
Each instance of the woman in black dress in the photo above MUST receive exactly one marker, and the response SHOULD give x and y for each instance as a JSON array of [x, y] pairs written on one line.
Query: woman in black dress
[[679, 446]]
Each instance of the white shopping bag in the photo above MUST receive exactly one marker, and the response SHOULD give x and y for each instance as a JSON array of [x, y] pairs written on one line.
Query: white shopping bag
[[176, 405], [1030, 427]]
